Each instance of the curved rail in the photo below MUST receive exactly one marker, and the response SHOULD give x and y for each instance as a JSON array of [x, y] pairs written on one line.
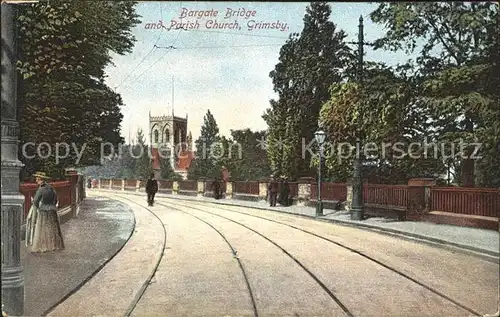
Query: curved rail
[[233, 251], [429, 288], [314, 277], [144, 286]]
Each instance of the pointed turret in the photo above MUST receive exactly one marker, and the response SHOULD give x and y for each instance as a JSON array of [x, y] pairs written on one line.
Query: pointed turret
[[190, 142]]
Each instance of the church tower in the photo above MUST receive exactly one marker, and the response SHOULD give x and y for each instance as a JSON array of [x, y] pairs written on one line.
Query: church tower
[[169, 140]]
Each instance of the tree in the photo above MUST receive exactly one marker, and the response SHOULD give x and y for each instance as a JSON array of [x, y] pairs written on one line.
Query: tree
[[127, 163], [166, 170], [63, 50], [67, 37], [204, 165], [245, 155], [143, 167], [308, 65], [458, 64], [110, 167], [386, 114]]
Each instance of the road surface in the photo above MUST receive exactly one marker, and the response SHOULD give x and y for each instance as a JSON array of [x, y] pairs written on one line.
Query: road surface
[[201, 259]]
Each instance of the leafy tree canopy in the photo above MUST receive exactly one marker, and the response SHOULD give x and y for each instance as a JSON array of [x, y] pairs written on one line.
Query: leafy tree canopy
[[309, 63], [64, 48], [457, 68], [204, 165]]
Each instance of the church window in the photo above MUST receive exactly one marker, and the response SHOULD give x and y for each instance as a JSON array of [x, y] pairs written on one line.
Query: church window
[[156, 136]]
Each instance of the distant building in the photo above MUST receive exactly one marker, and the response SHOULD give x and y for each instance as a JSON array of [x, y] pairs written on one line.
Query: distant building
[[169, 140]]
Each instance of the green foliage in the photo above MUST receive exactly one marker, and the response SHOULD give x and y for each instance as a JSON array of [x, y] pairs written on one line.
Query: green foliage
[[127, 163], [309, 64], [63, 50], [457, 72], [74, 36], [205, 163], [241, 154], [166, 170], [246, 159], [109, 168], [386, 115], [142, 155]]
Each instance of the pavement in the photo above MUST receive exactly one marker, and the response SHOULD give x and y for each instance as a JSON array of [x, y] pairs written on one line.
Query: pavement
[[482, 242], [93, 238], [189, 258], [114, 289]]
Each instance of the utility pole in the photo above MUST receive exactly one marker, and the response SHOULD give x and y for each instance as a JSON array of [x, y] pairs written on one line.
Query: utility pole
[[12, 200], [357, 212]]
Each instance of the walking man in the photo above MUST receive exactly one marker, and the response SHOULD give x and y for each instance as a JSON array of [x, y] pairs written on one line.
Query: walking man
[[151, 189], [273, 192], [284, 199], [216, 187]]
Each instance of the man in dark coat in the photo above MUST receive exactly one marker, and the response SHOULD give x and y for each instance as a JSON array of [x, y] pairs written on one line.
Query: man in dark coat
[[216, 186], [273, 192], [285, 193], [151, 189]]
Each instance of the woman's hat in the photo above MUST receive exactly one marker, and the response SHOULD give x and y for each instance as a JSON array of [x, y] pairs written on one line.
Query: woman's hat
[[41, 175]]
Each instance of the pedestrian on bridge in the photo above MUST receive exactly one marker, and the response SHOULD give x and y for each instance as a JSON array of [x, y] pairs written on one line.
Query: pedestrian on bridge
[[151, 189], [284, 198], [216, 187], [43, 230], [273, 192]]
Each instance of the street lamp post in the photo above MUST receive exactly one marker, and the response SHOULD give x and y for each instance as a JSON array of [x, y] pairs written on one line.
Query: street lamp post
[[320, 138], [357, 212], [12, 200]]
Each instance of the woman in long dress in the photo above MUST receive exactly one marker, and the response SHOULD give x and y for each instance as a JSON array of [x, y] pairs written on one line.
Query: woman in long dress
[[44, 230]]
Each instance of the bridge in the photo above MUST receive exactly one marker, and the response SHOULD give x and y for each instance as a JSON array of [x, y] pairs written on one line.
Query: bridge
[[193, 255]]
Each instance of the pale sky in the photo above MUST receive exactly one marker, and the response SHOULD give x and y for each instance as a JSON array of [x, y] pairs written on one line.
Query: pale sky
[[226, 71]]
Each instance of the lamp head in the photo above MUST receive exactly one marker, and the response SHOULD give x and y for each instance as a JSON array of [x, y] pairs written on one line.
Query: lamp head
[[320, 136]]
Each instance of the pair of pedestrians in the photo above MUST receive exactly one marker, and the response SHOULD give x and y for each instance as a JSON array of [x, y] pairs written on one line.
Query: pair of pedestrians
[[284, 192]]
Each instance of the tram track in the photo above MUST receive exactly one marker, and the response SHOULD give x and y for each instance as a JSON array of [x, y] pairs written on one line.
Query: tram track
[[298, 262], [175, 207], [386, 266], [143, 289], [145, 285], [346, 311]]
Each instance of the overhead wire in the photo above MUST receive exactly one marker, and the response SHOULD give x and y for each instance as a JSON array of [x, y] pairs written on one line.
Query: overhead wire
[[178, 33], [145, 47], [149, 53], [161, 57], [125, 108], [172, 47], [215, 47]]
